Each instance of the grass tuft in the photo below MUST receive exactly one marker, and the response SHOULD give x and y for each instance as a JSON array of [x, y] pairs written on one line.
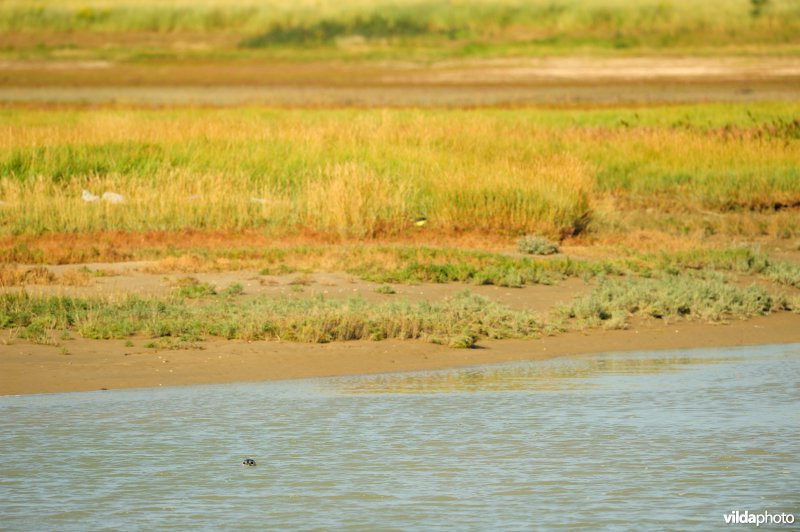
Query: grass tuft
[[235, 289], [191, 288], [536, 245], [385, 289], [315, 320], [667, 298], [15, 276]]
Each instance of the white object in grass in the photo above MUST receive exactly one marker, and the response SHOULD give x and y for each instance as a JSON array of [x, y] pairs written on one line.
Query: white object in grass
[[88, 196], [113, 197]]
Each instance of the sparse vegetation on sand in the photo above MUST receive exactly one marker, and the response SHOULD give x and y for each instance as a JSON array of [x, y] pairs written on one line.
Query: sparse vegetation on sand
[[404, 264], [615, 301], [198, 311], [536, 245], [316, 319]]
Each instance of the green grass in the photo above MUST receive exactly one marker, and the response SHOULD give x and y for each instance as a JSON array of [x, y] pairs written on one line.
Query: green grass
[[740, 260], [316, 320], [536, 245], [366, 174], [36, 332], [427, 28], [400, 264], [191, 288], [385, 289], [784, 273], [183, 321], [614, 301], [233, 290]]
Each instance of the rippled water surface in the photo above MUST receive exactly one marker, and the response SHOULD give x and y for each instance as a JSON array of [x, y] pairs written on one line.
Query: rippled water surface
[[668, 439]]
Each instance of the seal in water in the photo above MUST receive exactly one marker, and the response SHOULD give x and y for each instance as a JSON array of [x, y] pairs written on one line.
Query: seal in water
[[249, 462]]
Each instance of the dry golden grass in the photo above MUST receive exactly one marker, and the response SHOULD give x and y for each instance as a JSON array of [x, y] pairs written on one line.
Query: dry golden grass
[[171, 200], [189, 263], [348, 174], [16, 276], [382, 194], [353, 200], [39, 275], [76, 278], [549, 195]]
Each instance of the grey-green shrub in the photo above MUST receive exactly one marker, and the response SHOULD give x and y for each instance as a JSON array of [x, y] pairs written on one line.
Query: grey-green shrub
[[536, 245], [669, 297]]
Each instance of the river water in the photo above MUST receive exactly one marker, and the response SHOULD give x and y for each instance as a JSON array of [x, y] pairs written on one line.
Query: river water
[[635, 440]]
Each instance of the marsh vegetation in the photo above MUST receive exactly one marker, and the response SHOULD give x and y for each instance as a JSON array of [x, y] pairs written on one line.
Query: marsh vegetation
[[350, 173], [668, 211], [420, 29]]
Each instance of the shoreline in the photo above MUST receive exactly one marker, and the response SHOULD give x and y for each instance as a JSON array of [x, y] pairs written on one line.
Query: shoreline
[[27, 368]]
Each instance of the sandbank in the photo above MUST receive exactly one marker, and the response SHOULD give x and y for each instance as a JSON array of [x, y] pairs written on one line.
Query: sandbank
[[27, 368]]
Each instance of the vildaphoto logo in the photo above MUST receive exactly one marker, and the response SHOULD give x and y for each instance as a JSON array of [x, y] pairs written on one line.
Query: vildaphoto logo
[[764, 518]]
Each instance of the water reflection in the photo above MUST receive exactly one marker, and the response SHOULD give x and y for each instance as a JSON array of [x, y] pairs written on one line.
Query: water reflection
[[567, 373]]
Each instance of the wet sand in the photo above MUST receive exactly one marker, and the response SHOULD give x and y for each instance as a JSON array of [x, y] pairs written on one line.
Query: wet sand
[[490, 82], [79, 364], [94, 365]]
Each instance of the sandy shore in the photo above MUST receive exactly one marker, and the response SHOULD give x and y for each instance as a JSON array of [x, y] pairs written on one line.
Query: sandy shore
[[93, 365], [79, 364]]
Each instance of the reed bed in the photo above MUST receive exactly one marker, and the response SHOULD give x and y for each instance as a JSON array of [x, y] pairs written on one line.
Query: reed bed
[[368, 174]]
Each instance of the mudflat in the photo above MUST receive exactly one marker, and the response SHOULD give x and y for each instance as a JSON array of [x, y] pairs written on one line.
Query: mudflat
[[108, 364], [569, 80], [78, 364]]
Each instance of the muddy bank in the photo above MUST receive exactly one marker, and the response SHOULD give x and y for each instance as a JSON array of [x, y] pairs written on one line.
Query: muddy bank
[[499, 82], [94, 364]]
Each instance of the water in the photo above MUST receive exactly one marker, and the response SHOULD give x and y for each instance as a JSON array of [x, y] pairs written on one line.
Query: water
[[643, 440]]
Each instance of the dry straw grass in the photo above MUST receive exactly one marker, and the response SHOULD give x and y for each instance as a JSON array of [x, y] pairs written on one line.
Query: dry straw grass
[[352, 200], [76, 278], [367, 174], [40, 275], [16, 276], [551, 195], [171, 200]]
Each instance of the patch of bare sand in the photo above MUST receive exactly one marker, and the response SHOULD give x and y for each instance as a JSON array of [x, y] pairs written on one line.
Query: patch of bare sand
[[92, 365], [396, 73], [532, 70]]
